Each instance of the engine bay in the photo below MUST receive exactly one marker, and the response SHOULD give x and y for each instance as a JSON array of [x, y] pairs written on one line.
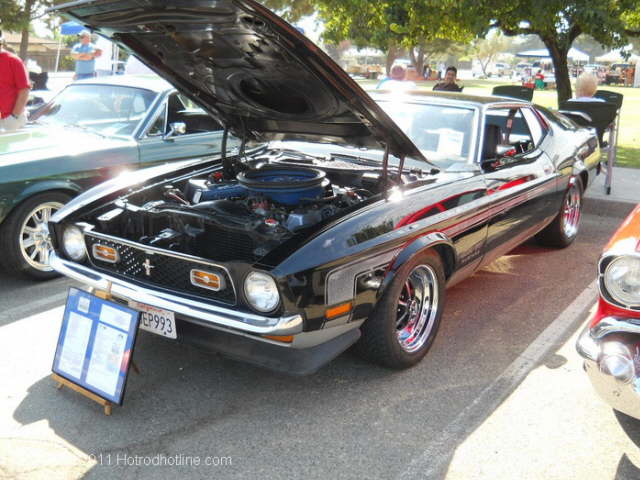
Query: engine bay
[[268, 200]]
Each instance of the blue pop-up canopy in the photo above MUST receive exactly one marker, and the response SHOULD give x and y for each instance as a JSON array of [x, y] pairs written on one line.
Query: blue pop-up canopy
[[71, 28]]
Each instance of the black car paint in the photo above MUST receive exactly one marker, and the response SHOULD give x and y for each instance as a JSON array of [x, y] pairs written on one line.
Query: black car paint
[[469, 216]]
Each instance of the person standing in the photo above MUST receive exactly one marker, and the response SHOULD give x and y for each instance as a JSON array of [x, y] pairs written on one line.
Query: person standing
[[85, 54], [14, 90]]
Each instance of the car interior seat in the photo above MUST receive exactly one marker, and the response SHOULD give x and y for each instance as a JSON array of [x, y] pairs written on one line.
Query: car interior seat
[[492, 138]]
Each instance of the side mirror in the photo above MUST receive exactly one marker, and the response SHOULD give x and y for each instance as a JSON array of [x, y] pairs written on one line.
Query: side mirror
[[176, 128]]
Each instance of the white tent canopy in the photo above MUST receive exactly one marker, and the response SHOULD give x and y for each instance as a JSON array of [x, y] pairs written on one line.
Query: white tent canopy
[[615, 56], [574, 54]]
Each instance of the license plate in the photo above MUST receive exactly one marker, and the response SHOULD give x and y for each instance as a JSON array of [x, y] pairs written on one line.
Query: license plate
[[156, 320]]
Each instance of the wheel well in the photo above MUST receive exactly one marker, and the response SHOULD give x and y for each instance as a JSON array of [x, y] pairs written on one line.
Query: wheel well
[[69, 192], [448, 258]]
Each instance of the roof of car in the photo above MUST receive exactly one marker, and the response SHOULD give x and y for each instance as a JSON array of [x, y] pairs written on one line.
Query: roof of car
[[146, 81], [444, 97]]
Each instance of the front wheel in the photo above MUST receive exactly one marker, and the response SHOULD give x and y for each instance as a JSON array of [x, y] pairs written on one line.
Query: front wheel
[[405, 321], [562, 231], [24, 237]]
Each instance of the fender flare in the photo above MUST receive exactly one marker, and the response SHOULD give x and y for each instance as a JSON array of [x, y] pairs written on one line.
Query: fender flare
[[441, 242], [40, 187]]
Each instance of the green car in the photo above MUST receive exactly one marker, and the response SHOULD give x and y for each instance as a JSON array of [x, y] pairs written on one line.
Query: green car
[[91, 131]]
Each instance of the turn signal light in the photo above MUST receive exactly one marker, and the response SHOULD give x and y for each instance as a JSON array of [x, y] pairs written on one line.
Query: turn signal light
[[208, 280], [105, 253], [280, 338], [338, 310]]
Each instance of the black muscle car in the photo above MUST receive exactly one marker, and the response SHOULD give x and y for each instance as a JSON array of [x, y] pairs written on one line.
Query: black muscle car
[[340, 218]]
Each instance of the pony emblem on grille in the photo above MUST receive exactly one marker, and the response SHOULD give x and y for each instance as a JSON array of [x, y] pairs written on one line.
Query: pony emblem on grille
[[147, 267]]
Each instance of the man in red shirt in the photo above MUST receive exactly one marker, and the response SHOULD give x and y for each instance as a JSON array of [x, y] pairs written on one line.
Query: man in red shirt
[[14, 90]]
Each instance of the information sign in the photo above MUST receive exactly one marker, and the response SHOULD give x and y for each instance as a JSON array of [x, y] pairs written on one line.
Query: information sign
[[95, 344]]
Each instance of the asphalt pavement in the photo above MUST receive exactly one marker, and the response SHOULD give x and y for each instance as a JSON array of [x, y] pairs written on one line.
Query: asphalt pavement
[[501, 394]]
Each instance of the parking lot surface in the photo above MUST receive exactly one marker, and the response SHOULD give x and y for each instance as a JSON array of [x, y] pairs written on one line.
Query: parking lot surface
[[501, 394]]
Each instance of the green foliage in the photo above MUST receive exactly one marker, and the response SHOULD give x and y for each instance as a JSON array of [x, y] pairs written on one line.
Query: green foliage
[[291, 10], [556, 22]]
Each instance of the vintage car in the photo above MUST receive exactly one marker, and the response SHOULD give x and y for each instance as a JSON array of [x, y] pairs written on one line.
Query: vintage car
[[91, 131], [610, 344], [339, 220]]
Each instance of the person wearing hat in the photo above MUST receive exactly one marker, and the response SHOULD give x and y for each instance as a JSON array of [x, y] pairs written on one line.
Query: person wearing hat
[[14, 90], [85, 54]]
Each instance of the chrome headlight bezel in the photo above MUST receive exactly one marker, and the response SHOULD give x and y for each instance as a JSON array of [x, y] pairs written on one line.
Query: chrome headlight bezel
[[614, 275], [261, 292], [73, 244]]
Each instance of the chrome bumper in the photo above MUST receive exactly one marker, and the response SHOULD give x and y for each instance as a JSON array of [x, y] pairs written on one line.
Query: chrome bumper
[[622, 396], [204, 313]]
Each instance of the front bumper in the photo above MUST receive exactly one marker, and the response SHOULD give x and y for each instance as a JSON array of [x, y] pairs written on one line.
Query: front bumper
[[622, 395], [203, 313]]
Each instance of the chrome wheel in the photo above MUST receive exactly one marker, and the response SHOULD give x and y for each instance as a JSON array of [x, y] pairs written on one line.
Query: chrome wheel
[[417, 308], [571, 211], [35, 244]]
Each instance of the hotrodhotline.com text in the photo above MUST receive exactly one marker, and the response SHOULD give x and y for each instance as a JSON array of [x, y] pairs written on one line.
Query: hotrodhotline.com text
[[160, 460]]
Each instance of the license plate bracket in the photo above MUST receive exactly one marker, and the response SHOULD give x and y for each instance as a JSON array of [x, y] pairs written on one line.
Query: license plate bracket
[[156, 320]]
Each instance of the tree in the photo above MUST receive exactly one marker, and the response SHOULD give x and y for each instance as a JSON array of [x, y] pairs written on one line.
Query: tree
[[392, 26], [557, 23], [487, 49], [18, 15]]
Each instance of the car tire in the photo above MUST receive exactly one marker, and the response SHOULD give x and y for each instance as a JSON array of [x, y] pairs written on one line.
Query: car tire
[[24, 239], [405, 321], [562, 231]]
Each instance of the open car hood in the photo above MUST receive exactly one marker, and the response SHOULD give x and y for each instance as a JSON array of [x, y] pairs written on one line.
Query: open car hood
[[253, 71]]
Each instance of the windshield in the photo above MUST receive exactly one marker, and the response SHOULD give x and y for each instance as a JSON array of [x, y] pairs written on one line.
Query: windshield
[[442, 132], [105, 109]]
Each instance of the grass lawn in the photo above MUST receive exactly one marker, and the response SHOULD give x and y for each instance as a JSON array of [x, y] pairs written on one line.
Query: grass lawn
[[628, 137]]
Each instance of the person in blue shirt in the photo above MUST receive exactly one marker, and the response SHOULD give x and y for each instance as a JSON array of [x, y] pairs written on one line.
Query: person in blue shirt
[[85, 54]]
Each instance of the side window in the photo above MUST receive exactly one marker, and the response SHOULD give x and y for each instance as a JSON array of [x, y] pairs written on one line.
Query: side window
[[537, 130], [159, 124], [509, 126]]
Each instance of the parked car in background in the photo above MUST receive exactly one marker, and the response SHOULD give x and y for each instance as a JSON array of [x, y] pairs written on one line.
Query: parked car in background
[[610, 344], [345, 221], [501, 70], [91, 131]]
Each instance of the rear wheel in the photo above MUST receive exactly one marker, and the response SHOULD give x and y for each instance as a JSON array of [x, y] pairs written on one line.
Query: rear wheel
[[405, 321], [564, 228], [24, 237]]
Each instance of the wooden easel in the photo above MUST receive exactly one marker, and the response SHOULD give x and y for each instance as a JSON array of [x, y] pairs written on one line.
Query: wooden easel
[[63, 382]]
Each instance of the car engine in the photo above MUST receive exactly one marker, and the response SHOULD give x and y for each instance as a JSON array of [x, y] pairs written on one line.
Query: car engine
[[242, 219]]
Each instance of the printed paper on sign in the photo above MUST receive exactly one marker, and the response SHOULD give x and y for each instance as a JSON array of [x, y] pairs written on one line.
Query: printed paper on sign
[[75, 343], [115, 317], [108, 350]]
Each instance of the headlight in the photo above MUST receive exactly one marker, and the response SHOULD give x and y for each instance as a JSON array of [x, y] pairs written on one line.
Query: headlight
[[73, 243], [622, 280], [261, 292]]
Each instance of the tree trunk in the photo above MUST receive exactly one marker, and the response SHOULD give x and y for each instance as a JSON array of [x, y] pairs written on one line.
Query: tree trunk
[[392, 54], [24, 44], [559, 59], [24, 39], [419, 60]]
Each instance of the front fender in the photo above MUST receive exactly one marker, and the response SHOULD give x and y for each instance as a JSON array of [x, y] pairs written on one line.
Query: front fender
[[11, 198], [441, 242]]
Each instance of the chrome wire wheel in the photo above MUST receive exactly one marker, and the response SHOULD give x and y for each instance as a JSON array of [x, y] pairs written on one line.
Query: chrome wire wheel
[[417, 308], [35, 243], [571, 211]]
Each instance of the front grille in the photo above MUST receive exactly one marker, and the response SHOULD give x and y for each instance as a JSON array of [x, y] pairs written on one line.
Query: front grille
[[165, 271]]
